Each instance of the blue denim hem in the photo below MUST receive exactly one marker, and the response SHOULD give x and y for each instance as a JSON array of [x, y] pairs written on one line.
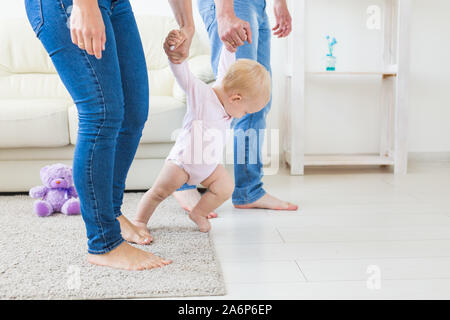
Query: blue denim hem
[[108, 249], [252, 199], [186, 187]]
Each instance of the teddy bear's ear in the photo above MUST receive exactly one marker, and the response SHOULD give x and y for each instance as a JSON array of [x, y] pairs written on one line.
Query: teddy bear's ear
[[43, 173], [44, 170]]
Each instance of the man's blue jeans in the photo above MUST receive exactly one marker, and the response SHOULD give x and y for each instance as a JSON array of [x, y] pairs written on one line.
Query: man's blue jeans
[[111, 95], [249, 130]]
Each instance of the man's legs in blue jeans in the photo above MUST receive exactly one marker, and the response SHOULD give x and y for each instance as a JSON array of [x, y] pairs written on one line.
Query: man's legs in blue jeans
[[249, 130]]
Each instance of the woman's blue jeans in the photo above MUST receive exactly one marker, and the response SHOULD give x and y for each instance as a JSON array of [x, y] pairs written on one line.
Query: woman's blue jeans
[[249, 130], [112, 97]]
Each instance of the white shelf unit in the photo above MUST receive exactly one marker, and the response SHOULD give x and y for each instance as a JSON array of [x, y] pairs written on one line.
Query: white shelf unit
[[394, 99]]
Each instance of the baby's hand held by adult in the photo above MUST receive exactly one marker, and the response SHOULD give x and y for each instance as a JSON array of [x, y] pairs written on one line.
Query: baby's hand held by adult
[[177, 45]]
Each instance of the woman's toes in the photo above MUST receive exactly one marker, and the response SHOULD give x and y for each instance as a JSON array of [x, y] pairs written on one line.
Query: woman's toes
[[147, 241], [148, 266], [140, 267], [155, 265]]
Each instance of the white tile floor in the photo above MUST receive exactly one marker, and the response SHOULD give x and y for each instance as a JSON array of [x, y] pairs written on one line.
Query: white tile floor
[[359, 234]]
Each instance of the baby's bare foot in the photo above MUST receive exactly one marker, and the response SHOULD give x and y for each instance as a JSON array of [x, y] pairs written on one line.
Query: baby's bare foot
[[201, 221], [133, 232], [269, 202], [188, 199], [127, 257]]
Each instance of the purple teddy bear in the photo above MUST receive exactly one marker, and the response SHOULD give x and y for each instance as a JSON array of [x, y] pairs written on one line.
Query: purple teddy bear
[[58, 193]]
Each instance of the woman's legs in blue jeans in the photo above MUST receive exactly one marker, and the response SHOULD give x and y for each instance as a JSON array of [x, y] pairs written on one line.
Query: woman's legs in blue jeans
[[96, 88], [111, 117]]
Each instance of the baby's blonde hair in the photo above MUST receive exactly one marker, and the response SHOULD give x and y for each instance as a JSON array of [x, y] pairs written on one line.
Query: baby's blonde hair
[[247, 77]]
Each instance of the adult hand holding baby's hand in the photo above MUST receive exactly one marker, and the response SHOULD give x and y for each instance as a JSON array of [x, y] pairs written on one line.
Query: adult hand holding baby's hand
[[177, 44], [233, 31]]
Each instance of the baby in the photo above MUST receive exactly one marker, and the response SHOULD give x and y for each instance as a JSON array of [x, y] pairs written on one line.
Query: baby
[[242, 87]]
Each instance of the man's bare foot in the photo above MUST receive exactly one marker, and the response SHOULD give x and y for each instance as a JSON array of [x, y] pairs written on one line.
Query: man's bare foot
[[135, 233], [202, 222], [269, 202], [188, 199], [127, 257]]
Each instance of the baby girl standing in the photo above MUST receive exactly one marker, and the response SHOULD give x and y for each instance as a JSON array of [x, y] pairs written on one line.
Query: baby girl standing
[[242, 87]]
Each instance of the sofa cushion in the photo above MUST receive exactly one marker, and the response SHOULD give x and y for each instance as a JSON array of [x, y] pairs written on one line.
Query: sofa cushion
[[32, 86], [166, 116], [20, 50], [34, 123], [144, 151]]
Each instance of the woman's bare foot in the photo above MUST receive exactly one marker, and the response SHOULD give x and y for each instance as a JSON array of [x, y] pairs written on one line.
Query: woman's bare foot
[[188, 199], [127, 257], [269, 202], [202, 222], [135, 233]]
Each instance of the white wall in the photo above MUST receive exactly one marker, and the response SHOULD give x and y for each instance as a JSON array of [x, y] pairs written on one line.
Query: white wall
[[342, 116], [430, 76]]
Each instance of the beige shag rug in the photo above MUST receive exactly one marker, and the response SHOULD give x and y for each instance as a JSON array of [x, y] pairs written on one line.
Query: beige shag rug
[[45, 258]]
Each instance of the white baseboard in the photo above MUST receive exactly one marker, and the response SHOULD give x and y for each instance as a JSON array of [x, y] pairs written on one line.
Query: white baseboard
[[429, 156]]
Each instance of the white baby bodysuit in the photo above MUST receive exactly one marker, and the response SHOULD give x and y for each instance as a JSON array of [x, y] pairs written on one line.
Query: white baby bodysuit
[[199, 147]]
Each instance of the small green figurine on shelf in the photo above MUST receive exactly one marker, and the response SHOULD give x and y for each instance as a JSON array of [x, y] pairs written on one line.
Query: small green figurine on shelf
[[330, 59]]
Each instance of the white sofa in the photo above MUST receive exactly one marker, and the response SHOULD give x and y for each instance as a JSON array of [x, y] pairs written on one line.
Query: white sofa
[[38, 120]]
